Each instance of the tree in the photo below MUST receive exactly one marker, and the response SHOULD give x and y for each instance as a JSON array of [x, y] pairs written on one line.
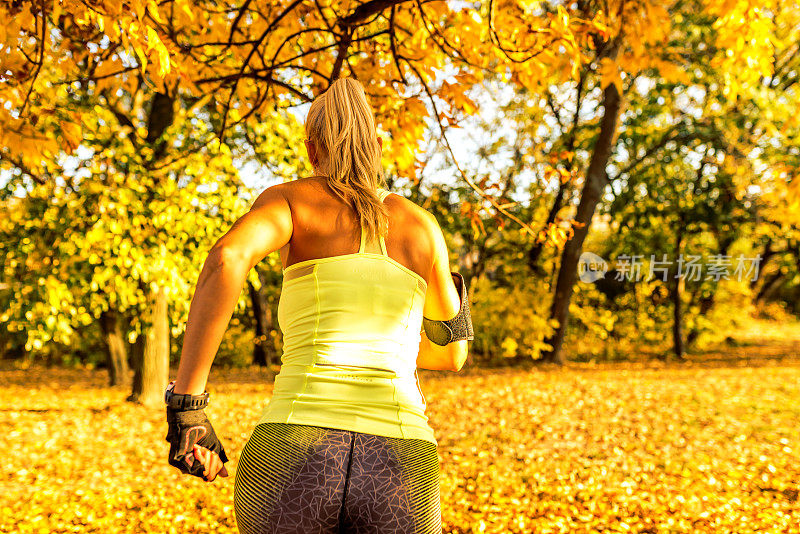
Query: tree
[[158, 69], [629, 52]]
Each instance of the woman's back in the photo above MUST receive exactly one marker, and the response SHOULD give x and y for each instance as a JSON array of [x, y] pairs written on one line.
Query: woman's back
[[323, 225], [351, 319]]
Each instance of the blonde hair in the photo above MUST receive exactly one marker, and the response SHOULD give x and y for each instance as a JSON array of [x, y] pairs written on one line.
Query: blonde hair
[[341, 125]]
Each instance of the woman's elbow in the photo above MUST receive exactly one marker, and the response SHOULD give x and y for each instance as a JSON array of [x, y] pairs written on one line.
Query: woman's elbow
[[460, 357], [450, 357], [228, 260]]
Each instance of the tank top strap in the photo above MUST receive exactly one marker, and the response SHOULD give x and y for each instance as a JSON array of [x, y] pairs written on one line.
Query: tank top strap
[[372, 247]]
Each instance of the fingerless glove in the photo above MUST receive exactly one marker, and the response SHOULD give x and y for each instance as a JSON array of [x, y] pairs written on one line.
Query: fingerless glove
[[185, 429]]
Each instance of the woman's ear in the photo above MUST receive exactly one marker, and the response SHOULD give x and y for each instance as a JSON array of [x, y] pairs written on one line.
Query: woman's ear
[[380, 142], [312, 153]]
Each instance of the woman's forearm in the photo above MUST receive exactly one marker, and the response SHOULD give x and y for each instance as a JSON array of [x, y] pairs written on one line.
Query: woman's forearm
[[218, 289]]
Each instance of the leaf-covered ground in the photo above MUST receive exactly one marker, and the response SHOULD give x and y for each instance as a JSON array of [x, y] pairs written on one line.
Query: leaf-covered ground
[[616, 448]]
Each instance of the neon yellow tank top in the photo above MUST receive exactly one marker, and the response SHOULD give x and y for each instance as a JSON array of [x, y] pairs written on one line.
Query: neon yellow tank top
[[351, 332]]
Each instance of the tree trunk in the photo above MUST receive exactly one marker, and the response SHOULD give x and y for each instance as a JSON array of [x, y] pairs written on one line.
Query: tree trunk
[[116, 347], [677, 310], [264, 352], [769, 287], [707, 302], [151, 354], [677, 324], [258, 304], [594, 183], [768, 253]]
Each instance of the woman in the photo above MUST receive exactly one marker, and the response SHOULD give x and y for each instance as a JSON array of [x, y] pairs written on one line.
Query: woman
[[343, 444]]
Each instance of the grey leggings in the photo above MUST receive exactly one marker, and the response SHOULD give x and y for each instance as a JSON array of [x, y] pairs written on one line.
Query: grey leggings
[[306, 479]]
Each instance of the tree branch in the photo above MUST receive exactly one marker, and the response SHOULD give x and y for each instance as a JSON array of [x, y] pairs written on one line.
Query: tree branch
[[341, 52], [366, 10]]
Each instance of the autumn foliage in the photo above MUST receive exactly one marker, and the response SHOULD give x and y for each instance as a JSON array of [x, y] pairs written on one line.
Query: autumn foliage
[[701, 449]]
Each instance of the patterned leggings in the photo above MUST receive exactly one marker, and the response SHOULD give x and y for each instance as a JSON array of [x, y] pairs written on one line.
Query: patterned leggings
[[302, 479]]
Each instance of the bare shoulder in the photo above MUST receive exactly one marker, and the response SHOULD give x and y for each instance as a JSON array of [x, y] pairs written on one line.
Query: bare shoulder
[[412, 212], [291, 187], [418, 231], [279, 190], [293, 192]]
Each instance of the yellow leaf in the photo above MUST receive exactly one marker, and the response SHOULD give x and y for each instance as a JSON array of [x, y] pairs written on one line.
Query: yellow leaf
[[186, 9], [108, 67], [71, 135], [163, 59], [152, 38], [609, 73], [152, 8], [509, 347]]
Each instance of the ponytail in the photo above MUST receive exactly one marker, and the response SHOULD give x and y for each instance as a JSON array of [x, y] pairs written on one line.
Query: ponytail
[[341, 125]]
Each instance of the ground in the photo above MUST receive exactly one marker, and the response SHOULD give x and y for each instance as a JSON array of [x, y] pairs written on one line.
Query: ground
[[712, 445]]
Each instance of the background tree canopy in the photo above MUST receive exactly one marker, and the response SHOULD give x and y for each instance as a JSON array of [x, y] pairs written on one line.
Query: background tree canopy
[[625, 128]]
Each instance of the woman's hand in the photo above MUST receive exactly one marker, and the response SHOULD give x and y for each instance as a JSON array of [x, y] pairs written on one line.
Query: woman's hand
[[212, 465], [186, 431]]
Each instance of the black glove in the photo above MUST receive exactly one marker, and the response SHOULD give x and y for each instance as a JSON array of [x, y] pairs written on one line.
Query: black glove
[[187, 428]]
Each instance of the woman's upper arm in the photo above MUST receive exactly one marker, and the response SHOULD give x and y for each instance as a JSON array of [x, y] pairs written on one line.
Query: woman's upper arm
[[261, 231], [442, 300]]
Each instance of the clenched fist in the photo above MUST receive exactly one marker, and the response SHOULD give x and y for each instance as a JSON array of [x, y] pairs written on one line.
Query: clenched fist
[[194, 447]]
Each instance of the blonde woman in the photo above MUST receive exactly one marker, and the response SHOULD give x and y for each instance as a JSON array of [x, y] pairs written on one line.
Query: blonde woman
[[344, 444]]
